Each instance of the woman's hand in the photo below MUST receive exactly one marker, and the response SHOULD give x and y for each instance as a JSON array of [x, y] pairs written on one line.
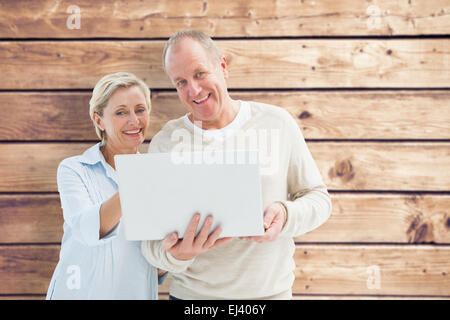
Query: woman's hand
[[191, 246], [110, 214]]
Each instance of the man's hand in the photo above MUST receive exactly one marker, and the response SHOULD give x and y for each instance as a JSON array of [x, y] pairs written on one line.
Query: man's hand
[[274, 220], [191, 245]]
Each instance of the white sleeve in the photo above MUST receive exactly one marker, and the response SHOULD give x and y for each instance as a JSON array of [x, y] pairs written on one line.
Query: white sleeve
[[309, 204], [80, 213], [158, 257]]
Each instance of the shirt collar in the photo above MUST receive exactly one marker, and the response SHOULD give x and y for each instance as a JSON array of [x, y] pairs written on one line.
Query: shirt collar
[[242, 116], [92, 155]]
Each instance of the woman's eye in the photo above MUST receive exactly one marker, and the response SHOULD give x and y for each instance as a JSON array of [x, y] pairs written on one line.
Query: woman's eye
[[141, 110], [119, 113]]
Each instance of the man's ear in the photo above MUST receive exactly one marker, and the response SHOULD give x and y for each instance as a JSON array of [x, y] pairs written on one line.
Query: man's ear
[[224, 66], [98, 121]]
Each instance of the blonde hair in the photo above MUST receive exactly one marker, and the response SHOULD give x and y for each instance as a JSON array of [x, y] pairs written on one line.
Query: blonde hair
[[105, 88], [213, 50]]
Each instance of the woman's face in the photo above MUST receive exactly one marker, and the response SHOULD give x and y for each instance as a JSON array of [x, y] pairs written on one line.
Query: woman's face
[[125, 120]]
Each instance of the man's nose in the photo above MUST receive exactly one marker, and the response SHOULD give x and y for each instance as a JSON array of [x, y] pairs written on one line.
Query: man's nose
[[194, 89]]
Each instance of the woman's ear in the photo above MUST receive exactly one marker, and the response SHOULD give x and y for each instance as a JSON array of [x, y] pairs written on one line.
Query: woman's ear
[[98, 121]]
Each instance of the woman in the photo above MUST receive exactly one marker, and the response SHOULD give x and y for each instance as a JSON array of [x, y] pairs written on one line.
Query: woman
[[96, 262]]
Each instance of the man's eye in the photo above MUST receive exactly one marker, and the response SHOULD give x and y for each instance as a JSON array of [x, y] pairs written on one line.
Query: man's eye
[[199, 74], [180, 83]]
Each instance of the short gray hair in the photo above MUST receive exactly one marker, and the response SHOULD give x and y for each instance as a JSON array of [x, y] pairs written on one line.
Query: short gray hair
[[202, 38], [105, 88]]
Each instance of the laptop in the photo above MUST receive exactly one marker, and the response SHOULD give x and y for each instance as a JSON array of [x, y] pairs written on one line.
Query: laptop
[[160, 193]]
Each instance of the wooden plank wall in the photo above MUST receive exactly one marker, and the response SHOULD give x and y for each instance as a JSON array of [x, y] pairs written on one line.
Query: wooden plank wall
[[367, 82]]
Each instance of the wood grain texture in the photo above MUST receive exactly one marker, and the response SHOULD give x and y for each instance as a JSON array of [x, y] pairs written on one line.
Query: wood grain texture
[[320, 114], [27, 269], [407, 63], [321, 269], [23, 297], [343, 270], [343, 165], [343, 114], [46, 116], [378, 218], [38, 165], [234, 18], [30, 219], [383, 166], [356, 218]]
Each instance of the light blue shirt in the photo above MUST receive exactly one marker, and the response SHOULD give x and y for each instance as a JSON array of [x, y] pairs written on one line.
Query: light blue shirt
[[89, 267]]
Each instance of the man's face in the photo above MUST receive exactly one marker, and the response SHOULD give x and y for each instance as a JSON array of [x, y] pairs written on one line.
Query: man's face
[[200, 81]]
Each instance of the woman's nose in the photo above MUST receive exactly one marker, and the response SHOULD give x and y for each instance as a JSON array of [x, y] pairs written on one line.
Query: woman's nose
[[133, 118]]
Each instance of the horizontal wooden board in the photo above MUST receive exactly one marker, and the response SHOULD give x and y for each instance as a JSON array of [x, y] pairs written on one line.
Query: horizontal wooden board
[[46, 116], [386, 115], [383, 166], [321, 269], [385, 218], [27, 269], [164, 295], [408, 63], [343, 165], [23, 297], [356, 218], [342, 114], [30, 218], [350, 270], [234, 18]]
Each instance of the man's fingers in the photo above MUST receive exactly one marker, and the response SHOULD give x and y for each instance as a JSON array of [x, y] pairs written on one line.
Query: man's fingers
[[270, 234], [269, 215], [203, 234], [220, 242], [189, 234], [213, 237], [169, 241]]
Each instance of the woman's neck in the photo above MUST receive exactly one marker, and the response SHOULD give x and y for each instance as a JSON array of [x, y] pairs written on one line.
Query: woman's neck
[[109, 153]]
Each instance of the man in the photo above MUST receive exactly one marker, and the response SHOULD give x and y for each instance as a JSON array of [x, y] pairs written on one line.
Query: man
[[294, 197]]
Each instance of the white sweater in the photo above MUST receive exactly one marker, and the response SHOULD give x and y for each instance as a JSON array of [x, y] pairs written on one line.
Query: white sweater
[[243, 269]]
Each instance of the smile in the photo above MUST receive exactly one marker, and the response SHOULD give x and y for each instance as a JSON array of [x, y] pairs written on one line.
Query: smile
[[202, 99], [131, 132]]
